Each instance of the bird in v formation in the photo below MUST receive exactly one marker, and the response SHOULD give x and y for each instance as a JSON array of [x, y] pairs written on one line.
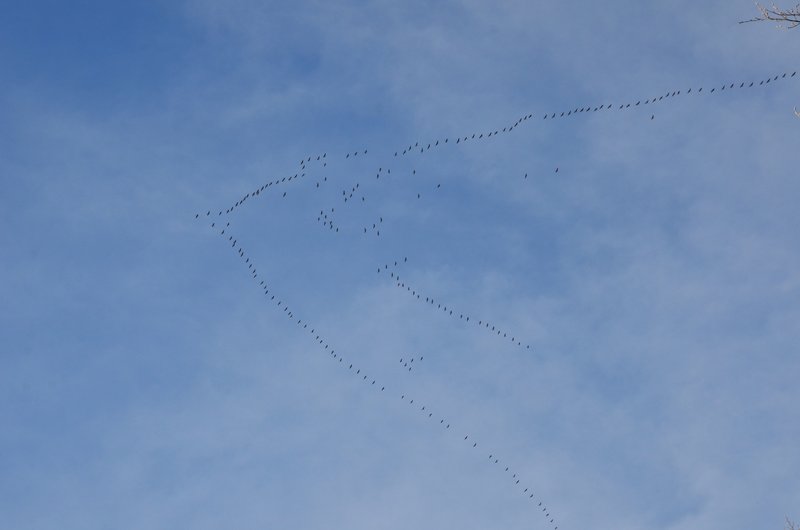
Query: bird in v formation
[[262, 284], [459, 140]]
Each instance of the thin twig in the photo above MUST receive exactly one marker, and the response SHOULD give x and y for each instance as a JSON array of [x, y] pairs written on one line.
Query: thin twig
[[788, 17]]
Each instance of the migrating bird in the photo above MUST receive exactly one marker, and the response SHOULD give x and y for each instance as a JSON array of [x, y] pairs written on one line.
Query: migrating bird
[[796, 112]]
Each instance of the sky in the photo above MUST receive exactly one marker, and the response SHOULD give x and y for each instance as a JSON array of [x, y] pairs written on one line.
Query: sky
[[645, 260]]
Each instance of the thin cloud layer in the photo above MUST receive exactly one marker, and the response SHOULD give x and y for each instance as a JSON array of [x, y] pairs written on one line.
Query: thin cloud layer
[[148, 382]]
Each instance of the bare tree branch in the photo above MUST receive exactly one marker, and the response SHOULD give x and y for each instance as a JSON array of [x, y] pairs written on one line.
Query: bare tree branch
[[789, 524], [786, 18]]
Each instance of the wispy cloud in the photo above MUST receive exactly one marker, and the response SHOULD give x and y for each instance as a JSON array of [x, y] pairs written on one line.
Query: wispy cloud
[[146, 382]]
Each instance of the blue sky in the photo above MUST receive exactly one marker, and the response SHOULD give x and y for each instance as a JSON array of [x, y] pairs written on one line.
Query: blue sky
[[146, 380]]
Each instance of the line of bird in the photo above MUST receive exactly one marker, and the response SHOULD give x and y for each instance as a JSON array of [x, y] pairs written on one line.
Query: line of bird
[[356, 371], [401, 284], [672, 94], [255, 193], [258, 191], [581, 110], [429, 300], [264, 187], [412, 148], [320, 158]]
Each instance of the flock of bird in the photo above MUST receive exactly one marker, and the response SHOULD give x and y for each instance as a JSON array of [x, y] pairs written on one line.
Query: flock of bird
[[584, 109], [410, 363], [356, 194], [326, 221], [423, 146], [375, 226], [450, 311], [372, 383]]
